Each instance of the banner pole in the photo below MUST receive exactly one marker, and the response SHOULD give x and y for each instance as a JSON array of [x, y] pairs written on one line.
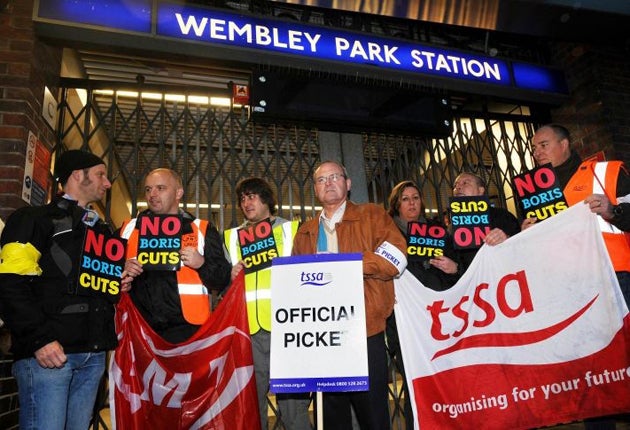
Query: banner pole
[[319, 410]]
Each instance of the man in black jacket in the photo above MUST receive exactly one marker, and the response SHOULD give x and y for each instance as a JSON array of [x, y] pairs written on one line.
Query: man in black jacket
[[502, 223], [595, 184], [175, 303], [61, 330], [618, 214]]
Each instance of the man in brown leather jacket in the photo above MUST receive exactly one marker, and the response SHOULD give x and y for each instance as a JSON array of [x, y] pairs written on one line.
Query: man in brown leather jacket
[[346, 227]]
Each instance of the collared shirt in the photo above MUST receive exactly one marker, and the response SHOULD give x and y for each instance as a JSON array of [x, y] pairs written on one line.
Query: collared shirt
[[90, 217], [337, 216]]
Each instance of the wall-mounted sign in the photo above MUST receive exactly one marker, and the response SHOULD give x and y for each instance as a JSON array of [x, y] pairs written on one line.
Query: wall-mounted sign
[[36, 172], [49, 108], [176, 21]]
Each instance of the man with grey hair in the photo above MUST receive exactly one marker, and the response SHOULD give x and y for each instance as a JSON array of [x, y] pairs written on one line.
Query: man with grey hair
[[346, 227]]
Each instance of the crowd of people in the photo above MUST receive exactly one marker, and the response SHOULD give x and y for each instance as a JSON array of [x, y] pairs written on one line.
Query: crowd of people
[[61, 332]]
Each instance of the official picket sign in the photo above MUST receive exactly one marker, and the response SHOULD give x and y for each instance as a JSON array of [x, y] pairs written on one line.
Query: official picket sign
[[318, 334]]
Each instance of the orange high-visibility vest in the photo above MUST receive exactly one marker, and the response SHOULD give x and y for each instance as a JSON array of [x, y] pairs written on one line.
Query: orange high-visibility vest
[[192, 293], [589, 179]]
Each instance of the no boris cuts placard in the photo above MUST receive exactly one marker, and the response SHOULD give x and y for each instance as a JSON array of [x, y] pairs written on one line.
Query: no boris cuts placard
[[539, 193], [470, 220], [102, 262], [159, 242], [425, 241], [257, 245]]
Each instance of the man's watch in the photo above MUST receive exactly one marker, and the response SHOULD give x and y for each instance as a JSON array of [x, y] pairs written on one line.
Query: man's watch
[[617, 211]]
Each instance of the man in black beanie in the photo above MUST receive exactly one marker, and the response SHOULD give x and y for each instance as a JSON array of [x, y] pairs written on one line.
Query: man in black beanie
[[61, 330], [72, 160]]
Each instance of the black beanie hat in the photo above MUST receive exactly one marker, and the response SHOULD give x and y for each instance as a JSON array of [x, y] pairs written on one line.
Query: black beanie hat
[[73, 160]]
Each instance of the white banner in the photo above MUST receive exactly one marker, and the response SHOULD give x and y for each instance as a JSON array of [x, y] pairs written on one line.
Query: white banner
[[532, 334], [318, 333]]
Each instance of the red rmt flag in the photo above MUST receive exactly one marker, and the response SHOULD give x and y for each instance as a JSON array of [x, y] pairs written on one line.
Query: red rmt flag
[[204, 383]]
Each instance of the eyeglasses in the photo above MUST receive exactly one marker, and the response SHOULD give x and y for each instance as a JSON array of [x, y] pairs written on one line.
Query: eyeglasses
[[332, 178]]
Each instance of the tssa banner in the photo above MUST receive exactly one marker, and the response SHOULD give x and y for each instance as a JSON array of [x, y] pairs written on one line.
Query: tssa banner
[[536, 332]]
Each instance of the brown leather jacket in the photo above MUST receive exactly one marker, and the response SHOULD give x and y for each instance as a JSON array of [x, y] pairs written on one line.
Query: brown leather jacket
[[363, 228]]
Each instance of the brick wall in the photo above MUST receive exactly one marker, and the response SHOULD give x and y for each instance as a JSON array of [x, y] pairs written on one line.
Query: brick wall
[[27, 65], [598, 112]]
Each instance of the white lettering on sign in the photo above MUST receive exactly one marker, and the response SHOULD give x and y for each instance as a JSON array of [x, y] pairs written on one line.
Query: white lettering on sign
[[220, 29]]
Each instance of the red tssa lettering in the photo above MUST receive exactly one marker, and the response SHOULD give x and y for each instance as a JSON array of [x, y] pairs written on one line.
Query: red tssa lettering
[[462, 314], [436, 309], [483, 312], [484, 306], [525, 303]]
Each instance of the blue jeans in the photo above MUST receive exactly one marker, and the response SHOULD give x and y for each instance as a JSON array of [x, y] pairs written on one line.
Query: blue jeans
[[58, 399]]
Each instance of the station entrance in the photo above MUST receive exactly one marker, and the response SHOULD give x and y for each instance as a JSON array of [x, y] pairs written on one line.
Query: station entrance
[[138, 128]]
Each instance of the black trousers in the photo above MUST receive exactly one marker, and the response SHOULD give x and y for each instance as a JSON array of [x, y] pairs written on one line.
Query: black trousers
[[371, 407]]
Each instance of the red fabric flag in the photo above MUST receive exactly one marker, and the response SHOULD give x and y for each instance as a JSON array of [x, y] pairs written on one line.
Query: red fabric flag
[[205, 383]]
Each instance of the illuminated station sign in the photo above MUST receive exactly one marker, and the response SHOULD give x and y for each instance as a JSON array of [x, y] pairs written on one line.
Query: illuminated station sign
[[164, 20]]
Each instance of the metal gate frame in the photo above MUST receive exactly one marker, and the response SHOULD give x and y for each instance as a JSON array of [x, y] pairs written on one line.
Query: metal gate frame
[[213, 148]]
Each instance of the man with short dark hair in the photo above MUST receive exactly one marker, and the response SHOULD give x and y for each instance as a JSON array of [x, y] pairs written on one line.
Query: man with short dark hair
[[61, 331], [258, 203]]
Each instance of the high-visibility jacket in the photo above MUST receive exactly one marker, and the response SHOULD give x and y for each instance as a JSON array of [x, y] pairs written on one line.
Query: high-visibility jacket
[[601, 178], [258, 284], [192, 293]]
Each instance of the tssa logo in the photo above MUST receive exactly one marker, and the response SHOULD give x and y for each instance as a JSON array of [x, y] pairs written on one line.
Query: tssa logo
[[316, 279]]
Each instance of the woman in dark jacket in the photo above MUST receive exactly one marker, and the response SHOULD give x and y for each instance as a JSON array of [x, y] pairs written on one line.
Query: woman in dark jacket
[[438, 273]]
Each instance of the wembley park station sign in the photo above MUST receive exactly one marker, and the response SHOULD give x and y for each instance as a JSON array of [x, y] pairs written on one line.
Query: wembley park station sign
[[166, 20]]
